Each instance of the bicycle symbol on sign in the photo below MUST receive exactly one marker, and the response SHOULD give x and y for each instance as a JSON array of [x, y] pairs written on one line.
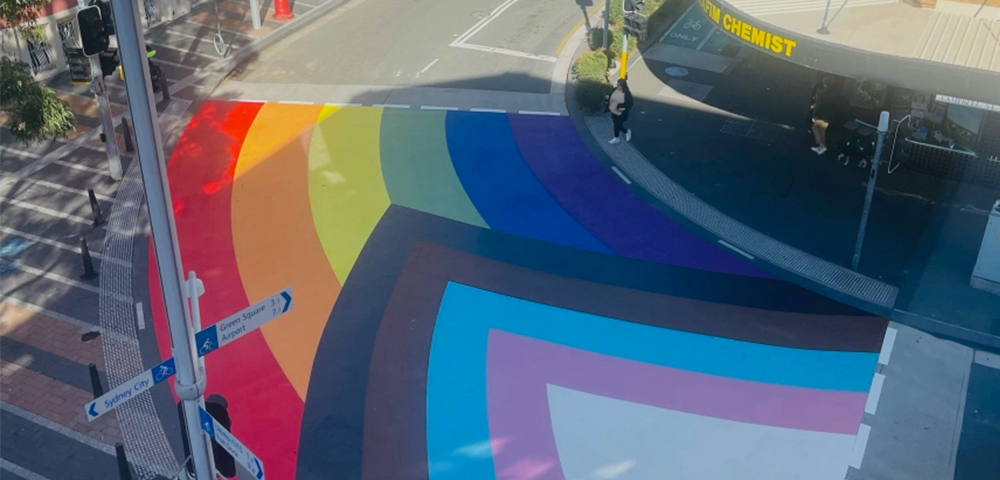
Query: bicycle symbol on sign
[[206, 347], [693, 24], [163, 372]]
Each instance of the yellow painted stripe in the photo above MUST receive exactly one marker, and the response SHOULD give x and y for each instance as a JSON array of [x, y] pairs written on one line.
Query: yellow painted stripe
[[273, 235], [346, 189]]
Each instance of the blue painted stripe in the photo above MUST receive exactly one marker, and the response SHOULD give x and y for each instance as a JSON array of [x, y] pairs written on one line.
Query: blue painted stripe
[[502, 187], [456, 376]]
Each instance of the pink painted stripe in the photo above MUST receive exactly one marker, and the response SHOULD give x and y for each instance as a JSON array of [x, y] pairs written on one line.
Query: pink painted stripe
[[518, 368]]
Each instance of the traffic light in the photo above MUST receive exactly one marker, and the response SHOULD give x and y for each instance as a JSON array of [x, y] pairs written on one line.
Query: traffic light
[[92, 33], [630, 6], [109, 62], [106, 17]]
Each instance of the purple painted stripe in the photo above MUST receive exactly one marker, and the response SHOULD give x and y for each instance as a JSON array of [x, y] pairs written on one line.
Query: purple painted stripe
[[519, 367], [597, 200]]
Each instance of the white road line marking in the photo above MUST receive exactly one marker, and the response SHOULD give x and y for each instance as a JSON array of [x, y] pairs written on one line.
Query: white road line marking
[[536, 112], [72, 282], [188, 52], [64, 246], [55, 427], [295, 102], [429, 65], [140, 320], [504, 51], [860, 444], [488, 110], [82, 168], [84, 326], [433, 107], [15, 151], [622, 175], [871, 404], [304, 4], [737, 250], [390, 105], [56, 186], [19, 470], [987, 359], [483, 22], [344, 104], [887, 343], [247, 100], [49, 211], [176, 65]]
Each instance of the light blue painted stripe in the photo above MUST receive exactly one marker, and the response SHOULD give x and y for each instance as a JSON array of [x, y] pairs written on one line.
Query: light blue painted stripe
[[456, 379]]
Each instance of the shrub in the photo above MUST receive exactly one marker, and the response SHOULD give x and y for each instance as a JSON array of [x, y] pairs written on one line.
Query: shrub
[[591, 66], [617, 14], [590, 94]]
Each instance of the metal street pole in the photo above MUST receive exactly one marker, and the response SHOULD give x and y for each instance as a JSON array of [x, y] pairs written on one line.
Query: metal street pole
[[190, 381], [883, 127], [822, 29], [104, 110], [607, 21]]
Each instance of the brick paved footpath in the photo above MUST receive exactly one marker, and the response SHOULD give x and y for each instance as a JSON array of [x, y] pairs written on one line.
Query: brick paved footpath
[[45, 308]]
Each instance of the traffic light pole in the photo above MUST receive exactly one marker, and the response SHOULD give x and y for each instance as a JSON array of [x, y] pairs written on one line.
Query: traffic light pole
[[190, 380], [104, 109], [607, 21]]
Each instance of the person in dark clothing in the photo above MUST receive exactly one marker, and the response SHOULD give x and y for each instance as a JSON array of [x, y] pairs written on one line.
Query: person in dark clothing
[[620, 104], [821, 115]]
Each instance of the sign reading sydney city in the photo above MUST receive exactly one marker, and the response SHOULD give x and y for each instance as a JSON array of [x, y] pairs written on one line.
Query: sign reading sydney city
[[207, 341], [231, 444]]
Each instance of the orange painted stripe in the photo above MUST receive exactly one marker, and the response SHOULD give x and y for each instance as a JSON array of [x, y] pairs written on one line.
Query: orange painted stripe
[[274, 238]]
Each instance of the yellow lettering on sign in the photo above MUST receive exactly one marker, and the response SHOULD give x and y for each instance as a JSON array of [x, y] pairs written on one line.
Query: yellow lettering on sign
[[727, 22], [745, 32], [757, 37], [776, 44], [789, 45]]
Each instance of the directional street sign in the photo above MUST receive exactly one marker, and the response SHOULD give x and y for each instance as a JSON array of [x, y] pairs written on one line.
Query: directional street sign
[[130, 389], [243, 322], [208, 340], [229, 442]]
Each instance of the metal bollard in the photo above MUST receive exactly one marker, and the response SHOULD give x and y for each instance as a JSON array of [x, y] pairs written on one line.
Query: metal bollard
[[164, 87], [124, 472], [88, 264], [127, 132], [99, 219], [95, 381]]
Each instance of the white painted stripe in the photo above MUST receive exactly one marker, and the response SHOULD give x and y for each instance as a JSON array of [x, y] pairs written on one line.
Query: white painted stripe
[[488, 110], [433, 107], [55, 427], [188, 52], [484, 22], [622, 175], [64, 246], [140, 320], [987, 359], [247, 100], [860, 444], [345, 104], [49, 211], [871, 404], [19, 470], [172, 64], [304, 4], [49, 313], [82, 168], [505, 51], [887, 342], [537, 112], [733, 248], [71, 282], [429, 65], [390, 105], [56, 186], [295, 102], [14, 151]]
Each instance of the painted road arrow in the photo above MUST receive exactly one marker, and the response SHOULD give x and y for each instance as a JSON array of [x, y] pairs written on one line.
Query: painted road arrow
[[229, 442], [208, 340], [130, 389], [243, 322]]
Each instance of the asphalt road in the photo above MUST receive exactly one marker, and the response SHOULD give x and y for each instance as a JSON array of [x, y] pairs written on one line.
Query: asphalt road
[[475, 44]]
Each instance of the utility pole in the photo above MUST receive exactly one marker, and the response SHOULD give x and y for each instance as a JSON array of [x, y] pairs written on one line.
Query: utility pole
[[190, 380], [883, 127], [607, 21], [826, 13], [104, 109]]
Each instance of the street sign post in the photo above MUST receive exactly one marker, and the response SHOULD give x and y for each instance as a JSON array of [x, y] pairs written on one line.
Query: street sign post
[[208, 340], [228, 441], [130, 389], [243, 322]]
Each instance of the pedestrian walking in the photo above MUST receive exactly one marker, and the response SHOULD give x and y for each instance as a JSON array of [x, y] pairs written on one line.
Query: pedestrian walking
[[620, 104], [821, 115]]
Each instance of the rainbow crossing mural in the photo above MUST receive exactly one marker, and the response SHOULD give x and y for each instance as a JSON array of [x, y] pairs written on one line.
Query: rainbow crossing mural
[[440, 262]]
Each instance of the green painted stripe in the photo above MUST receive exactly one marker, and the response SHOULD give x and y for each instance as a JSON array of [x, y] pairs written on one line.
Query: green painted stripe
[[417, 168]]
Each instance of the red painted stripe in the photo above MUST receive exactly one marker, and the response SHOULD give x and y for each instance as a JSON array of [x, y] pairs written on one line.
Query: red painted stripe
[[266, 411]]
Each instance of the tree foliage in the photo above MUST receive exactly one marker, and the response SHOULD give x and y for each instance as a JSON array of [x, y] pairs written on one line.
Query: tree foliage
[[33, 111]]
